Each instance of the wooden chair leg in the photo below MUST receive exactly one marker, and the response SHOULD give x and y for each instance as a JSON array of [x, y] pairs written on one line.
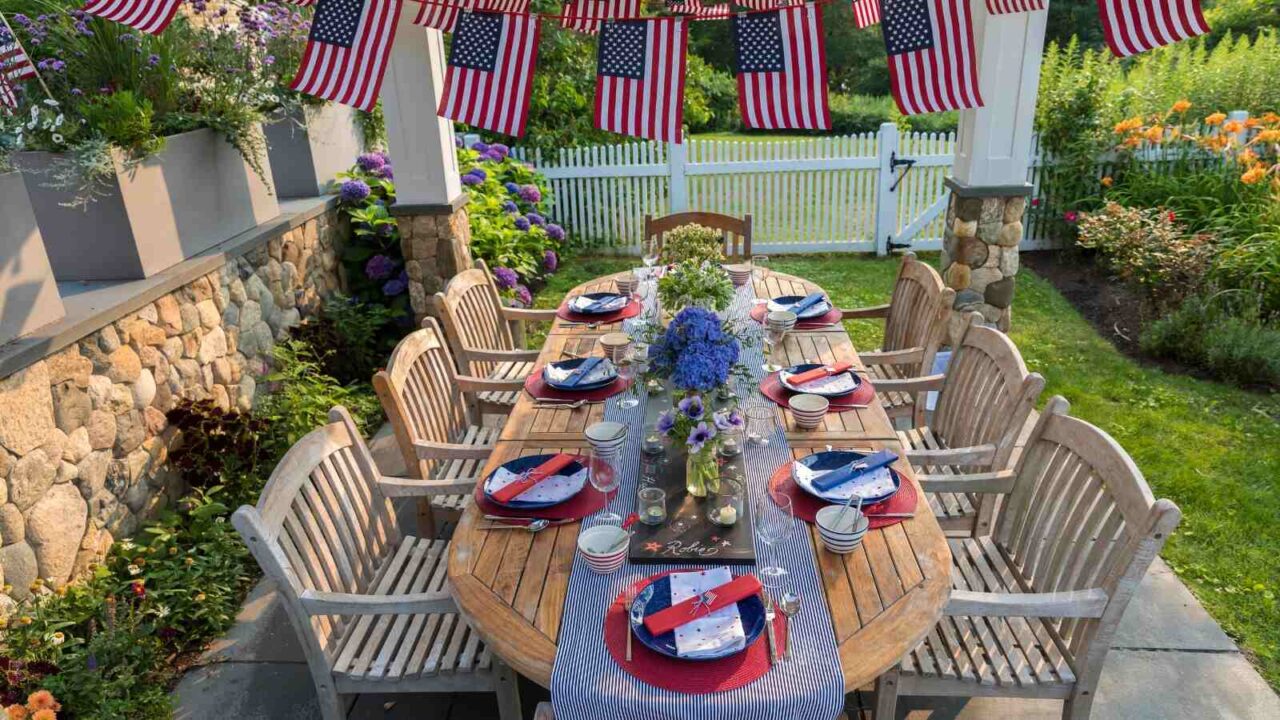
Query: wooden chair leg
[[543, 712], [426, 520], [507, 690], [887, 695], [1078, 705], [332, 706]]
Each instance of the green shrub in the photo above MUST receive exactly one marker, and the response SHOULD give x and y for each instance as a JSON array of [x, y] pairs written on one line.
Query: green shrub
[[860, 113], [353, 338], [694, 244], [300, 396], [219, 448], [695, 285], [710, 98], [1146, 247], [1235, 348], [508, 208]]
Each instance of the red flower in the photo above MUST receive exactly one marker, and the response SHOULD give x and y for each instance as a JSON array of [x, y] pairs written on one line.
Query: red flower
[[1035, 202], [1070, 216], [1173, 216], [139, 590]]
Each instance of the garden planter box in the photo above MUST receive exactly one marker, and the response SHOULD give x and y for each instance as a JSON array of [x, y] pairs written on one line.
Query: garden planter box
[[308, 147], [28, 296], [190, 196]]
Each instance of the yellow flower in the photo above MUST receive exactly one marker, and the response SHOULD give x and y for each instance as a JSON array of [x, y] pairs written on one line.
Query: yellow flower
[[1215, 119], [1175, 133], [1182, 106], [1154, 134], [173, 550], [199, 597], [25, 620], [1107, 181], [1232, 126], [1254, 175], [189, 561], [42, 700], [57, 639]]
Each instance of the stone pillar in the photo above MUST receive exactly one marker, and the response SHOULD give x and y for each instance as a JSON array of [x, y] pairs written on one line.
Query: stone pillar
[[989, 183], [437, 245]]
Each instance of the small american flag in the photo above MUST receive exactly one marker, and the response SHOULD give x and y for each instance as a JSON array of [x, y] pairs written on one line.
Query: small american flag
[[1134, 26], [8, 98], [585, 15], [695, 8], [441, 14], [148, 16], [490, 73], [640, 70], [347, 51], [866, 12], [782, 69], [932, 66], [14, 63], [1004, 7], [766, 4]]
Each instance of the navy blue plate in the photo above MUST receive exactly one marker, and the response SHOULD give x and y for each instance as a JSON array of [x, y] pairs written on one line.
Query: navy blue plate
[[530, 462], [570, 364], [822, 307], [599, 296], [751, 610], [835, 459], [797, 369]]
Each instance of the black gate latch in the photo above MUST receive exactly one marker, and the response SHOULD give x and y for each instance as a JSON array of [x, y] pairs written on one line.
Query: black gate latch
[[895, 163]]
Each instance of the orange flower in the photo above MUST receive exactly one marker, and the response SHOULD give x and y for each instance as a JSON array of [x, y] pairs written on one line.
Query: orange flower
[[1271, 118], [45, 715], [1215, 119], [1247, 157], [1182, 106], [1107, 181], [1233, 126], [1267, 136], [1251, 122], [16, 712], [42, 700], [1125, 126], [1254, 175], [1154, 134]]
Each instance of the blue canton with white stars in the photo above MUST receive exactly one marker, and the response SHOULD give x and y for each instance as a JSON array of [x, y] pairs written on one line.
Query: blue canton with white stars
[[475, 41], [335, 22], [759, 40], [622, 48], [906, 26]]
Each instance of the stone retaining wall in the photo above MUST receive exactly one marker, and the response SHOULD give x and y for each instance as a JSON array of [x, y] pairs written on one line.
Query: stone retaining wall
[[83, 434]]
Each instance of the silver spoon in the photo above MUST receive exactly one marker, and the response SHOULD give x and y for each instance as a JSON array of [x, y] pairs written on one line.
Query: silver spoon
[[535, 526], [567, 404], [789, 604]]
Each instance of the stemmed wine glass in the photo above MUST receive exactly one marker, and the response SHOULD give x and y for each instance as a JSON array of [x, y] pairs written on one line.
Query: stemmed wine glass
[[604, 477], [628, 368], [773, 337], [774, 521], [650, 257]]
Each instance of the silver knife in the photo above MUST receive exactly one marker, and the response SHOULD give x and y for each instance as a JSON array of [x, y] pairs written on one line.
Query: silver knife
[[768, 628]]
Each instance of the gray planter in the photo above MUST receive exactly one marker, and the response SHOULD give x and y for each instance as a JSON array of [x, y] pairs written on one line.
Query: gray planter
[[309, 146], [28, 296], [192, 195]]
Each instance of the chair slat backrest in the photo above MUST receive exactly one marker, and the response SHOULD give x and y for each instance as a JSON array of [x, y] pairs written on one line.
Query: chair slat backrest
[[919, 308], [1081, 517], [470, 308], [420, 395], [735, 232], [321, 523], [987, 394]]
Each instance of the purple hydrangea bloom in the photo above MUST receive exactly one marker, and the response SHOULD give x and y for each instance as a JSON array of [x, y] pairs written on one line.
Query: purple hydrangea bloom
[[523, 224], [457, 141], [396, 286], [500, 149], [511, 187], [379, 267], [479, 172], [370, 162], [530, 193], [505, 278], [492, 156], [385, 173], [550, 261], [524, 296], [510, 207], [666, 421], [555, 232], [692, 407], [479, 147], [536, 219], [472, 180], [354, 190]]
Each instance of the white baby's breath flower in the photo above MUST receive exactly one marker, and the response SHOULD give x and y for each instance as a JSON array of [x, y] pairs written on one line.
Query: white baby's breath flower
[[134, 569]]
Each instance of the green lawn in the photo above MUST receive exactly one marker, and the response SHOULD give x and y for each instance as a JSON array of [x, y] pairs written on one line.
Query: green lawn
[[1211, 448]]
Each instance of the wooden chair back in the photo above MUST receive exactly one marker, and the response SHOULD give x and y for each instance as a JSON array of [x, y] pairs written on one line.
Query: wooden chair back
[[471, 310], [735, 232], [322, 523], [1081, 518], [420, 394], [918, 310]]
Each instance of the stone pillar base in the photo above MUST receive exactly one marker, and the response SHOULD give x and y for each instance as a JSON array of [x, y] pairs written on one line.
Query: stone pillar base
[[980, 251], [436, 242]]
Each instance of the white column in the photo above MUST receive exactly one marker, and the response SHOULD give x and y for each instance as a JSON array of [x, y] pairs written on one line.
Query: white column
[[421, 142], [993, 146]]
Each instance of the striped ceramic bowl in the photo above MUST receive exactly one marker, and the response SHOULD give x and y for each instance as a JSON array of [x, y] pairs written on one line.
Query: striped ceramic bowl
[[845, 535], [627, 284], [809, 410], [739, 274], [604, 547]]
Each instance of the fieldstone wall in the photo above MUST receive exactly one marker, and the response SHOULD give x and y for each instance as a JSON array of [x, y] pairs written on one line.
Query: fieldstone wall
[[83, 434], [980, 256], [436, 247]]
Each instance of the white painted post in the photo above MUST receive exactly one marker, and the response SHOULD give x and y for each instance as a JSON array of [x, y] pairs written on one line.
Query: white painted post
[[679, 186], [1240, 116], [886, 199]]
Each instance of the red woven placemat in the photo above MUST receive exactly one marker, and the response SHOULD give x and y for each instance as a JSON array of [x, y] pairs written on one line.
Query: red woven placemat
[[772, 388], [536, 386], [631, 310], [695, 677], [587, 501], [806, 506], [832, 317]]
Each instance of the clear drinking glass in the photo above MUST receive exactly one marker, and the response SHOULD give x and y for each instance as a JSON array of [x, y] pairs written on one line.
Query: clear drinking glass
[[651, 505], [760, 267], [604, 476], [773, 337], [762, 421], [650, 257], [627, 370], [774, 522]]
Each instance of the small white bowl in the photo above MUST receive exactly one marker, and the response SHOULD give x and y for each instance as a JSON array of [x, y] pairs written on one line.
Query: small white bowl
[[606, 438], [809, 410], [616, 345], [739, 274], [595, 542], [782, 319], [847, 536], [627, 284]]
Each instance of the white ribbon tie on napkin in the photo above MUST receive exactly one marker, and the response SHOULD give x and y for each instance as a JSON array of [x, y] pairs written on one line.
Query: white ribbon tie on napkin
[[711, 635]]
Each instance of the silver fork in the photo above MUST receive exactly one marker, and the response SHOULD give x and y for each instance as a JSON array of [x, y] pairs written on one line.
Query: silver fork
[[566, 404]]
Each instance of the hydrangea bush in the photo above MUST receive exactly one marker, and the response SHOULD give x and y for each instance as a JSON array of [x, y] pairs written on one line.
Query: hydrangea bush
[[373, 259]]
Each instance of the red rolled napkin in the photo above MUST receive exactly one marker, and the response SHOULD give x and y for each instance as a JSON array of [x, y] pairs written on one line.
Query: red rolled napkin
[[533, 477], [739, 588], [819, 372]]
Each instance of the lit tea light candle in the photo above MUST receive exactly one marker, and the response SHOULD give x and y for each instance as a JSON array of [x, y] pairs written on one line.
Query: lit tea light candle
[[728, 515]]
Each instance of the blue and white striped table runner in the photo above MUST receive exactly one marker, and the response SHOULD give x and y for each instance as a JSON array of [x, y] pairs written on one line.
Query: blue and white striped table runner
[[586, 683]]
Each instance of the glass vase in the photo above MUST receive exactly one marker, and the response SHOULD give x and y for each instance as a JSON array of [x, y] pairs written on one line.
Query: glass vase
[[702, 472]]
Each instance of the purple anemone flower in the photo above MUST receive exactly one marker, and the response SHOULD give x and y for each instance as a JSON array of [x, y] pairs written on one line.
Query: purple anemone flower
[[505, 278], [478, 172], [701, 435], [396, 286], [523, 224], [692, 407], [550, 261], [666, 421], [555, 232], [379, 267], [530, 193], [728, 420], [354, 190], [500, 149]]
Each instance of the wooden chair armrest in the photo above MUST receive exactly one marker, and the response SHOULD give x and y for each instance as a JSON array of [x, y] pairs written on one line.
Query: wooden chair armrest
[[1070, 604], [503, 355], [451, 451], [331, 603], [866, 313], [974, 455], [909, 385], [906, 356], [528, 314], [998, 483], [900, 411], [472, 384], [431, 487]]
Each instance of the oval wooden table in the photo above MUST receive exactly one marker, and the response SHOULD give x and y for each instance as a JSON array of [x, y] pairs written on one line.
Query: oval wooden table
[[884, 597]]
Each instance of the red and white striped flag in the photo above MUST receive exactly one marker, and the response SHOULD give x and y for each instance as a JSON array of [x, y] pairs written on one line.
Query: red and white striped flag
[[640, 70], [14, 63], [782, 69], [301, 3], [766, 4], [695, 8], [1134, 26], [347, 51], [490, 76], [148, 16], [8, 98], [585, 15], [932, 66], [1004, 7], [866, 13], [442, 14]]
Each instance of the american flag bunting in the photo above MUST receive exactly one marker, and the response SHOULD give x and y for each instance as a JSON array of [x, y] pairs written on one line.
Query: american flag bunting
[[782, 69], [490, 75], [1134, 26], [585, 16], [640, 72], [932, 65], [866, 13], [8, 98], [695, 8], [1004, 7], [442, 14], [765, 4], [347, 51], [148, 16]]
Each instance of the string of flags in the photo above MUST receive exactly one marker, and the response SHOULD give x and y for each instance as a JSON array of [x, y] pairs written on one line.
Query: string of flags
[[640, 66]]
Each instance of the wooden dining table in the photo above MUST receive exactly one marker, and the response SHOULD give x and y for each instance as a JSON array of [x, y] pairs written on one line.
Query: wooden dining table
[[883, 598]]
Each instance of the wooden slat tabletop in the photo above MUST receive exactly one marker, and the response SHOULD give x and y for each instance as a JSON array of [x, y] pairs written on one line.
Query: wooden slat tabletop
[[883, 598]]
